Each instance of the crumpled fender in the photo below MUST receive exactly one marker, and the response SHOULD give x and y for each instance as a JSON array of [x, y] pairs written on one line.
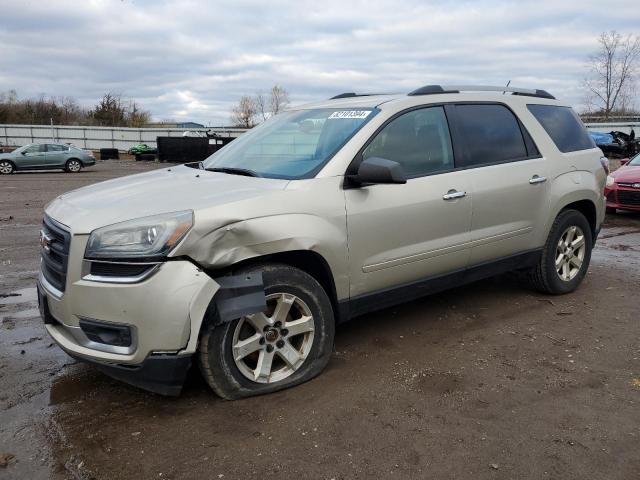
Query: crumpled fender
[[251, 238]]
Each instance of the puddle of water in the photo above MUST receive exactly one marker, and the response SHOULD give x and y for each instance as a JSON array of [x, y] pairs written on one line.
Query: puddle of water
[[23, 295], [70, 388]]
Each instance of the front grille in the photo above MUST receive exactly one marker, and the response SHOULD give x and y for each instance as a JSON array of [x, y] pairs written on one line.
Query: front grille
[[628, 197], [54, 262]]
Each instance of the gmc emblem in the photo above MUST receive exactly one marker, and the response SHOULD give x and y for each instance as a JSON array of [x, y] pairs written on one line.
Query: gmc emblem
[[45, 241]]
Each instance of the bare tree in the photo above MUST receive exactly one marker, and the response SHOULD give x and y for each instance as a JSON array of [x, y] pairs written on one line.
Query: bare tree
[[271, 104], [244, 113], [262, 106], [278, 99], [612, 72], [136, 117]]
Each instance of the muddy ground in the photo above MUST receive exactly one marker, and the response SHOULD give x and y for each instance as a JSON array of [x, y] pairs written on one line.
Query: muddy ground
[[487, 381]]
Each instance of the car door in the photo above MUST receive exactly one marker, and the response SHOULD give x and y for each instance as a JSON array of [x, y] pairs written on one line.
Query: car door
[[34, 156], [402, 233], [56, 155], [508, 179]]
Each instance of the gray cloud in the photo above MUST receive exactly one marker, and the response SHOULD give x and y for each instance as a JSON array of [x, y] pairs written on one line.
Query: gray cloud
[[191, 60]]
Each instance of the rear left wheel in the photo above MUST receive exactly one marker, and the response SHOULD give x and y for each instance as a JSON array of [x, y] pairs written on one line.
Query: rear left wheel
[[566, 255], [73, 166], [287, 344]]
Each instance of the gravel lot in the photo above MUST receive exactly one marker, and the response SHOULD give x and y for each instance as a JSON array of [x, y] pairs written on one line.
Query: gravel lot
[[487, 381]]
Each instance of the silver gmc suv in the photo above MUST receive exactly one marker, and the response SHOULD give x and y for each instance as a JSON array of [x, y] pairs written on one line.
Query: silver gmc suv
[[245, 263]]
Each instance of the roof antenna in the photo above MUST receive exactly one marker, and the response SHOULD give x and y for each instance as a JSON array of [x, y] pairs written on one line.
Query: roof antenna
[[506, 86]]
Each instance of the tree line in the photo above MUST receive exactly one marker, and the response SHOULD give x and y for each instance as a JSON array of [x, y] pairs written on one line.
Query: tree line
[[610, 87], [112, 110]]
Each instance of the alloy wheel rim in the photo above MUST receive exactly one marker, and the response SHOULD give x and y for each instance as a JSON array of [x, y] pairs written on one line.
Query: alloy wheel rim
[[570, 253], [269, 346], [5, 167], [74, 166]]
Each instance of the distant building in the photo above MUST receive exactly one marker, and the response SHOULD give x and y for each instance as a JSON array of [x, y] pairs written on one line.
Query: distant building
[[174, 125]]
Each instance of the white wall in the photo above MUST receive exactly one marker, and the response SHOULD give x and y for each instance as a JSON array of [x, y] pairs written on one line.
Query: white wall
[[94, 138]]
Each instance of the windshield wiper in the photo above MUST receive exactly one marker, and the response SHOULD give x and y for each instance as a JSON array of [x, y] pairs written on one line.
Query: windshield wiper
[[233, 171]]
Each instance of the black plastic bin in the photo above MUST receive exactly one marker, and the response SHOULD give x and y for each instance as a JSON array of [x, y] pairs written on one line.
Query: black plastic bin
[[109, 154]]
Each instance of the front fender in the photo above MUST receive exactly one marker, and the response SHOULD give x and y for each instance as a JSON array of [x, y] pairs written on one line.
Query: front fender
[[276, 234]]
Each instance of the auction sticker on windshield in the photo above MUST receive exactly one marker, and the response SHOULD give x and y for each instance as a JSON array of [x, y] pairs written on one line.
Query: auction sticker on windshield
[[350, 114]]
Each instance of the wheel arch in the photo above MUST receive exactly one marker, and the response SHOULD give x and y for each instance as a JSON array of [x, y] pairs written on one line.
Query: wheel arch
[[586, 208], [584, 201], [308, 261], [15, 167]]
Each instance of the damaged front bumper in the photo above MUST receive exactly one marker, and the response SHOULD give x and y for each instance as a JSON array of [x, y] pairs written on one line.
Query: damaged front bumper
[[143, 333]]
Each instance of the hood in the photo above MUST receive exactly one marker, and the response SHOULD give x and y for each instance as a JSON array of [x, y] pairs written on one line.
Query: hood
[[627, 174], [151, 193]]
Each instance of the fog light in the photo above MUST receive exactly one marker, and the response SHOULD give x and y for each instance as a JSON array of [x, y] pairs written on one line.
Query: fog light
[[106, 333]]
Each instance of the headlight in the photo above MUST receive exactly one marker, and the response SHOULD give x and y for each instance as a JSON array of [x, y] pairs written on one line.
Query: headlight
[[610, 180], [140, 238]]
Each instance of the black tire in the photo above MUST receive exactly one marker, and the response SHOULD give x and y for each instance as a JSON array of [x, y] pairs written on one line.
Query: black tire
[[544, 276], [6, 167], [611, 211], [73, 165], [215, 347]]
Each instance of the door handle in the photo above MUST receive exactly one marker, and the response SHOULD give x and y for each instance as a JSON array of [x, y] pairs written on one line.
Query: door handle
[[537, 179], [453, 194]]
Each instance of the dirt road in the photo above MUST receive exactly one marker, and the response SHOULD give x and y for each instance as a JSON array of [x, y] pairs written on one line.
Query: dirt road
[[487, 381]]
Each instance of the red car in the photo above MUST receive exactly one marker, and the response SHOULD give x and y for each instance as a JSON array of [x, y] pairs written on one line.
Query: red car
[[623, 187]]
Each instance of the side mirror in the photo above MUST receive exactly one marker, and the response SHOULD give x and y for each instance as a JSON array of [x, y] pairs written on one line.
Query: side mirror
[[375, 170]]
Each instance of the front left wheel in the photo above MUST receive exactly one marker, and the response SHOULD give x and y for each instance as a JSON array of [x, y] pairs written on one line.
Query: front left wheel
[[6, 167], [285, 345]]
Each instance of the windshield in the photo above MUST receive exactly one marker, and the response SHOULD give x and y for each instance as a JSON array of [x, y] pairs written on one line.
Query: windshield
[[291, 145], [635, 161]]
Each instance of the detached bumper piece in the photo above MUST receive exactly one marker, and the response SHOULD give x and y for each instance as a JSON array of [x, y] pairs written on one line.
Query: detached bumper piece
[[162, 374], [240, 295]]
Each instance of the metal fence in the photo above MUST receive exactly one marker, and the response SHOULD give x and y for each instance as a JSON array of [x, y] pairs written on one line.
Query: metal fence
[[614, 126], [94, 138]]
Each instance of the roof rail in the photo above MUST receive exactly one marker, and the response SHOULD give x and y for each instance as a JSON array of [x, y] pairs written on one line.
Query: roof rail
[[353, 94], [344, 95], [440, 89]]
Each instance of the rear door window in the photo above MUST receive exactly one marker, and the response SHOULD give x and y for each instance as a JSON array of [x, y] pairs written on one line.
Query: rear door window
[[490, 133], [54, 147], [563, 126]]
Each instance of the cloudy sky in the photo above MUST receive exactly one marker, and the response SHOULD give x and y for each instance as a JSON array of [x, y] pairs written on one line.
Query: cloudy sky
[[192, 60]]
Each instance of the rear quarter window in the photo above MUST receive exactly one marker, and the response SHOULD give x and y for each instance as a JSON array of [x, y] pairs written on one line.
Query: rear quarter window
[[563, 126]]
